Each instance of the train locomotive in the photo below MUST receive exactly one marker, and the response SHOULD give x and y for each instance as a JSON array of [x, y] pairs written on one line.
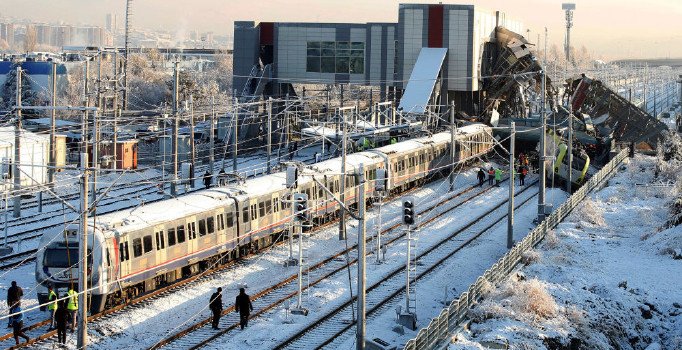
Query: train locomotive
[[137, 250]]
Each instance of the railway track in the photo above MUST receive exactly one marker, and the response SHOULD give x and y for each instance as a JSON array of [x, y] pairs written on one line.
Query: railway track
[[201, 333], [38, 337], [328, 330], [17, 259]]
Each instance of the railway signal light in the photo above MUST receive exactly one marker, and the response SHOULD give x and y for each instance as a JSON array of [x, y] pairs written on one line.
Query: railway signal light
[[301, 207], [408, 212]]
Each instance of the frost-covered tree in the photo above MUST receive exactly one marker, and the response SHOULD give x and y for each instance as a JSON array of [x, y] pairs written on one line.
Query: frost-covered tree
[[29, 96]]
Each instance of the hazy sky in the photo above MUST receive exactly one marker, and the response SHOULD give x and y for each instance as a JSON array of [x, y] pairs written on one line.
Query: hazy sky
[[608, 28]]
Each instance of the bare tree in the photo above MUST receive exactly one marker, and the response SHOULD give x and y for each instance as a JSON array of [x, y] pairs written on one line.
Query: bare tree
[[30, 41]]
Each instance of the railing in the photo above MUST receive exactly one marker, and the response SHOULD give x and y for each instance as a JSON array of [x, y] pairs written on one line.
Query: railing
[[440, 327]]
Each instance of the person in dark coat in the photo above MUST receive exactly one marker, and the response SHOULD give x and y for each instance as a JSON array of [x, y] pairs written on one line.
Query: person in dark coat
[[216, 306], [243, 305], [16, 321], [481, 177], [522, 176], [61, 318], [207, 179], [14, 294]]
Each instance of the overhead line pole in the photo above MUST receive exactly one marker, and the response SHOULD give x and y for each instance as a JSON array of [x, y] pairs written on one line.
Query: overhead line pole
[[53, 120], [543, 134], [17, 148], [362, 231], [510, 210], [82, 340], [342, 219], [453, 129], [174, 141]]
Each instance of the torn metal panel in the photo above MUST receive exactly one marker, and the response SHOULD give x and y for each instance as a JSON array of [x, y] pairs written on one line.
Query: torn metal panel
[[617, 117]]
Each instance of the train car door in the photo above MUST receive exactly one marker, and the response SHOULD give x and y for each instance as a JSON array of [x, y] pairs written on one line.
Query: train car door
[[245, 222], [160, 243]]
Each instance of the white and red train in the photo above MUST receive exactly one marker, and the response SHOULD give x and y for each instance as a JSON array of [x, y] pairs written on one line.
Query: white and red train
[[137, 250]]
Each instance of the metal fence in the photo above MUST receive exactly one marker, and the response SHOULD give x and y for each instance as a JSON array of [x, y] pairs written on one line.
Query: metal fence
[[439, 329]]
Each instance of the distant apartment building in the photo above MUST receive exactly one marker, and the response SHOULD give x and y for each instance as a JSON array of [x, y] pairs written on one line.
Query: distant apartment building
[[7, 33]]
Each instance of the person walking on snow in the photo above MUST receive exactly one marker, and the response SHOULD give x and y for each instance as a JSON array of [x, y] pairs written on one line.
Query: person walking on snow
[[61, 319], [16, 322], [522, 176], [72, 306], [491, 176], [207, 179], [14, 294], [243, 305], [498, 177], [52, 305], [481, 177], [216, 306]]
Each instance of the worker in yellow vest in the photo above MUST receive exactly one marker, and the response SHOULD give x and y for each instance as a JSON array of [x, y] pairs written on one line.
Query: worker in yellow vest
[[72, 306], [52, 305]]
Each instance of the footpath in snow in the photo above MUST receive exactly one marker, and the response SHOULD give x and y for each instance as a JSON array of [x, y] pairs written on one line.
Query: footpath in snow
[[608, 277]]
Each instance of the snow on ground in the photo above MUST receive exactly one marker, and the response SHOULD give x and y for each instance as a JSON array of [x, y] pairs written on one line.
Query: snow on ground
[[606, 278], [453, 278], [144, 325], [25, 274]]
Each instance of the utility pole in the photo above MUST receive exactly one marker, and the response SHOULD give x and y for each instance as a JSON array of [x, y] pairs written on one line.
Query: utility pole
[[174, 141], [510, 213], [543, 135], [83, 254], [17, 148], [86, 100], [116, 110], [211, 155], [362, 230], [453, 130], [95, 157], [235, 137], [193, 152], [342, 197], [53, 120], [269, 149], [129, 15], [570, 145]]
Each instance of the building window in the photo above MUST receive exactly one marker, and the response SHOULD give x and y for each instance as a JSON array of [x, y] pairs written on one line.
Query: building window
[[335, 57]]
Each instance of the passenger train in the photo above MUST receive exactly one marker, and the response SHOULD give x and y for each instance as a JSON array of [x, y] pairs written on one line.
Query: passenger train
[[136, 250]]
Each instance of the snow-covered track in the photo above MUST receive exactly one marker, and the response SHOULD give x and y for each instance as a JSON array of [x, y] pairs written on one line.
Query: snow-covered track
[[201, 333], [330, 328]]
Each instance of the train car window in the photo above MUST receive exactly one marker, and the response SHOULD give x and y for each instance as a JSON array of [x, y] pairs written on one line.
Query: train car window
[[202, 227], [268, 206], [191, 230], [181, 233], [253, 212], [108, 259], [230, 219], [261, 209], [123, 251], [221, 221], [159, 240], [137, 247], [245, 215], [210, 225], [275, 205], [337, 186], [171, 237], [320, 193], [147, 240]]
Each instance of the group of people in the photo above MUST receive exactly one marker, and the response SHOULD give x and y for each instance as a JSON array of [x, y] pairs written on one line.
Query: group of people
[[496, 173], [63, 311], [493, 174], [242, 305]]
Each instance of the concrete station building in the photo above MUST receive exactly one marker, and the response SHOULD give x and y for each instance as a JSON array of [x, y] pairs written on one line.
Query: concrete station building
[[374, 54]]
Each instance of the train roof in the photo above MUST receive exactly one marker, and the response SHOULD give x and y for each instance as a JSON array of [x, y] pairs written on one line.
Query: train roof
[[353, 161]]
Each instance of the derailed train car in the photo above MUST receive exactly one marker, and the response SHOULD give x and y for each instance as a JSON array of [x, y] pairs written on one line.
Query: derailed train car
[[134, 251]]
